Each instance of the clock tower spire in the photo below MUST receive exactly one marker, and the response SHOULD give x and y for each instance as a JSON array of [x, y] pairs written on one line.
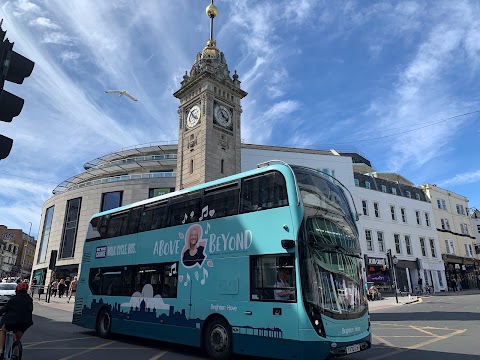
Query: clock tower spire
[[209, 140]]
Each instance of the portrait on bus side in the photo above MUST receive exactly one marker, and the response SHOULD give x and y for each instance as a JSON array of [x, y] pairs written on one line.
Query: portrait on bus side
[[193, 252]]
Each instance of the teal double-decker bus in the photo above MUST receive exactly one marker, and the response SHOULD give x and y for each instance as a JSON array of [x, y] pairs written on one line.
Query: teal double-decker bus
[[263, 263]]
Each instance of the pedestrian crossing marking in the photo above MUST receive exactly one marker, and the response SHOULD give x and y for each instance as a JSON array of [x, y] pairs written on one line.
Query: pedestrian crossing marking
[[428, 331]]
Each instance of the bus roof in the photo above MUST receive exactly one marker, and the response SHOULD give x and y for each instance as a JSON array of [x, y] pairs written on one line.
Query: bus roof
[[262, 167]]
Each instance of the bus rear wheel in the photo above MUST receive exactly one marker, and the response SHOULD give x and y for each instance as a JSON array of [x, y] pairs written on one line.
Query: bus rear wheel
[[104, 324], [218, 339]]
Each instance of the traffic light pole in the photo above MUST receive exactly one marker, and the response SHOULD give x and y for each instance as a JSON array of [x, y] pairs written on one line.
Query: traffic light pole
[[392, 263], [52, 267], [395, 281]]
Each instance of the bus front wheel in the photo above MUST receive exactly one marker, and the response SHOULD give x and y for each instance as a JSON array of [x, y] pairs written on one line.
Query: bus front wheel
[[104, 324], [218, 339]]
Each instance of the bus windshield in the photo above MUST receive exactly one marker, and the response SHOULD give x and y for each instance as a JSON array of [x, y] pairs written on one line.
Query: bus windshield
[[329, 249]]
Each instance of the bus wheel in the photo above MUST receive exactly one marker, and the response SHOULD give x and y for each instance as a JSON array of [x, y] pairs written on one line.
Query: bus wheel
[[218, 339], [104, 324]]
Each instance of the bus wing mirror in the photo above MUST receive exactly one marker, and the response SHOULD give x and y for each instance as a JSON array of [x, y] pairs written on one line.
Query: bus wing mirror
[[288, 244]]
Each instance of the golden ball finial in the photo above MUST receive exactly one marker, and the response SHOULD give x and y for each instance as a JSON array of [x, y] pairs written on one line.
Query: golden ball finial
[[211, 11]]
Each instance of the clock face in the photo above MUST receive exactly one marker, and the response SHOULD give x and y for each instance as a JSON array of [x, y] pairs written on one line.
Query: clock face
[[193, 116], [222, 115]]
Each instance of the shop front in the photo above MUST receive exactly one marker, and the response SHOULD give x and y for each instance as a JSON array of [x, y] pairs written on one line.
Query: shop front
[[464, 270], [377, 273], [62, 272], [434, 275], [407, 275], [40, 274]]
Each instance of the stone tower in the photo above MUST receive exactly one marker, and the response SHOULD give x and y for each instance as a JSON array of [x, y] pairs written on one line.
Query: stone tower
[[209, 141]]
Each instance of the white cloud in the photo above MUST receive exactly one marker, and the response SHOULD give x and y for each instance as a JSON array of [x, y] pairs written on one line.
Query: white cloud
[[44, 23], [462, 179], [262, 127], [300, 11], [25, 6], [20, 201], [277, 83], [281, 109], [57, 38], [69, 55]]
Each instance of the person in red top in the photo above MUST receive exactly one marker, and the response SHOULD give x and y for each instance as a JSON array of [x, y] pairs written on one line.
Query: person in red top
[[17, 314]]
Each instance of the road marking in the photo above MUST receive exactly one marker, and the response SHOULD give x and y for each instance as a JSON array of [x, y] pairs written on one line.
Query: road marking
[[406, 336], [397, 350], [28, 345], [424, 331], [431, 341], [87, 350], [159, 355], [386, 342]]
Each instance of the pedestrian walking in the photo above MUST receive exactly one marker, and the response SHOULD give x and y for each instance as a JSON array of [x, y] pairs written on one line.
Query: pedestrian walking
[[54, 288], [61, 287], [453, 283], [67, 283], [420, 284], [73, 289], [34, 286]]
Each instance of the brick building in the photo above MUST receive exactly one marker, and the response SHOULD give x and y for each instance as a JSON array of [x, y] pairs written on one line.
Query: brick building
[[17, 250]]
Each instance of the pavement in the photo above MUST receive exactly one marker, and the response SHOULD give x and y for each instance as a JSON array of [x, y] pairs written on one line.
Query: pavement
[[390, 300], [55, 302]]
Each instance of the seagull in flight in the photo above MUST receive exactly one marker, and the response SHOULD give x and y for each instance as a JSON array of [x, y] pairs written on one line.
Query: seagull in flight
[[121, 93]]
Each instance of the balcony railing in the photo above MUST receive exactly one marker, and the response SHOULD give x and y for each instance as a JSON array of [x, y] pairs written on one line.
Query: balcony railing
[[136, 159], [160, 174]]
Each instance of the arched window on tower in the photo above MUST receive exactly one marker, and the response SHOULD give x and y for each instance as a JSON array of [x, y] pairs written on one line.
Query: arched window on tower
[[222, 162], [191, 166]]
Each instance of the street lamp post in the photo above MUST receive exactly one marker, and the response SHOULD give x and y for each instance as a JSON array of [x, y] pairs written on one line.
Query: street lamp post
[[395, 262]]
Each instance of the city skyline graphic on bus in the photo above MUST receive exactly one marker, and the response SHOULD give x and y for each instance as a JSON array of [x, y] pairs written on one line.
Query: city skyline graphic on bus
[[168, 316]]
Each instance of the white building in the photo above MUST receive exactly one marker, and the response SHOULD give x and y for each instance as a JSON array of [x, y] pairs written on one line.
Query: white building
[[475, 221], [328, 161], [397, 216], [454, 229]]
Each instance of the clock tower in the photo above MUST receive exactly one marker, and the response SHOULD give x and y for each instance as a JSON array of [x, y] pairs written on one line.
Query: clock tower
[[209, 141]]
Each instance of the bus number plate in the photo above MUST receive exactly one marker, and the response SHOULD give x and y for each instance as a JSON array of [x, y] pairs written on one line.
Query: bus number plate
[[353, 348]]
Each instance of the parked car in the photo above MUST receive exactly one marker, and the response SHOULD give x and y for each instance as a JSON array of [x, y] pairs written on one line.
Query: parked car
[[7, 290]]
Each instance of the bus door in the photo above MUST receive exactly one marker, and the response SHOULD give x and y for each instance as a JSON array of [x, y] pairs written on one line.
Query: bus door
[[271, 315]]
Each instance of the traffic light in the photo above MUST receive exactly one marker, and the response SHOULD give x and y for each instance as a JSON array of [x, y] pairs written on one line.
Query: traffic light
[[14, 68], [389, 258]]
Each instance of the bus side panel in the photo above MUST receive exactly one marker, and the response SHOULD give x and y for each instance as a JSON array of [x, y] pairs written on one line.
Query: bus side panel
[[168, 333], [259, 328], [264, 328]]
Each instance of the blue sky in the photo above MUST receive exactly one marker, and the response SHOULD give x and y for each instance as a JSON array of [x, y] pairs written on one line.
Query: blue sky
[[382, 78]]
